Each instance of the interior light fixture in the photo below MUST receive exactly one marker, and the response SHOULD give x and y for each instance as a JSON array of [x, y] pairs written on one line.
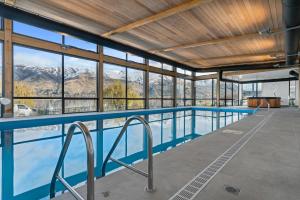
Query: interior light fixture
[[63, 46], [275, 55], [5, 101], [265, 31], [10, 2]]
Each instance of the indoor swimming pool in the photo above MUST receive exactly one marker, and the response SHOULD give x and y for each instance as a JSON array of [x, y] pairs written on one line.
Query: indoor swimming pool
[[30, 147]]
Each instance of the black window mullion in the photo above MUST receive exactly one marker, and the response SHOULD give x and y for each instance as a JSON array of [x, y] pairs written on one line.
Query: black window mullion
[[63, 79], [212, 92], [184, 92], [162, 91], [126, 88]]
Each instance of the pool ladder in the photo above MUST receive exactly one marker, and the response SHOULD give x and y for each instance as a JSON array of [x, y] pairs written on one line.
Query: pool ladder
[[258, 107], [90, 159], [90, 163], [149, 175]]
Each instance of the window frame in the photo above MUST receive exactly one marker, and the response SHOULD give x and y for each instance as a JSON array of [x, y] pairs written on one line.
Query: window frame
[[62, 97], [126, 98], [185, 99], [2, 72]]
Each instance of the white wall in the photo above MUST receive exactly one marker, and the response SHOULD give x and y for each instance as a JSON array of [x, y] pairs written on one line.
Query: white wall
[[281, 89]]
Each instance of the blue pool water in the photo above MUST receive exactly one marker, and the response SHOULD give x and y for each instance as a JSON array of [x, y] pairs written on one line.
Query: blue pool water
[[30, 147]]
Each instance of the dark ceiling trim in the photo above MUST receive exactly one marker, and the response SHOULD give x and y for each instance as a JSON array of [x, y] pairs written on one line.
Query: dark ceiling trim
[[229, 80], [13, 13], [271, 80], [244, 67], [291, 18], [262, 81]]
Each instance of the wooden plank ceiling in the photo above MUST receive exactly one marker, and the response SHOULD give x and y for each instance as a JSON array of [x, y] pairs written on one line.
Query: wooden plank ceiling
[[202, 33]]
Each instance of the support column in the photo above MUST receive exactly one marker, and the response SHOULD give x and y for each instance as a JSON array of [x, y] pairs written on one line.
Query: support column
[[218, 88], [8, 68], [100, 79]]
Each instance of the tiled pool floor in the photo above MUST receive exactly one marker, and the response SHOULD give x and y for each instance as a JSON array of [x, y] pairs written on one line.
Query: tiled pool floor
[[268, 167]]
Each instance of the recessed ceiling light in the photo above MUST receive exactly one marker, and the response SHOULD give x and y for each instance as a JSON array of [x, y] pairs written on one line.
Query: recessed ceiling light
[[266, 31], [10, 2]]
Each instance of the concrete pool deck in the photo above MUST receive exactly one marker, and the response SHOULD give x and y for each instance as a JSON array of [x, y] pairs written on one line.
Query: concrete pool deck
[[267, 167]]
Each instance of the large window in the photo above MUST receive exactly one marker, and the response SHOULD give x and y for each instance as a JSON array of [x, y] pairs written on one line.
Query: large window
[[135, 89], [114, 91], [80, 44], [204, 92], [37, 82], [123, 88], [168, 94], [36, 32], [123, 55], [134, 58], [1, 65], [184, 92], [235, 94], [1, 70], [188, 93], [229, 93], [43, 34], [114, 53], [155, 90], [51, 83], [250, 90], [160, 90], [156, 64], [1, 23], [168, 67], [179, 92], [214, 84], [80, 85], [222, 93], [184, 71]]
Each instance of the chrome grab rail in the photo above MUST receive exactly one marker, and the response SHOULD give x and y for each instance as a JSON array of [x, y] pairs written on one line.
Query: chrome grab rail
[[258, 107], [149, 175], [90, 163]]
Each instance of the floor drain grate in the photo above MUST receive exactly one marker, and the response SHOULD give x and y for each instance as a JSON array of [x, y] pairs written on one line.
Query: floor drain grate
[[232, 190], [192, 188]]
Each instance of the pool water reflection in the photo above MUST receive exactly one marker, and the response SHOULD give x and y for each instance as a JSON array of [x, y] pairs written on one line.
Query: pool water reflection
[[29, 155]]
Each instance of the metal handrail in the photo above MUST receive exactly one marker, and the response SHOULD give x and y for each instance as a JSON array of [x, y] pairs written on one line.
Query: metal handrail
[[90, 163], [258, 107], [149, 175]]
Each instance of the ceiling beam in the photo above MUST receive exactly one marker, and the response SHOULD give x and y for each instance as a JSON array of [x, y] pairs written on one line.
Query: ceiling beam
[[187, 5], [245, 66], [270, 62], [271, 55], [236, 73], [216, 41], [1, 35], [10, 2]]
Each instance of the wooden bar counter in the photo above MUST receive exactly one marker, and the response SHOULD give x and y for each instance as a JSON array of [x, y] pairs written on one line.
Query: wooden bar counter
[[263, 102]]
